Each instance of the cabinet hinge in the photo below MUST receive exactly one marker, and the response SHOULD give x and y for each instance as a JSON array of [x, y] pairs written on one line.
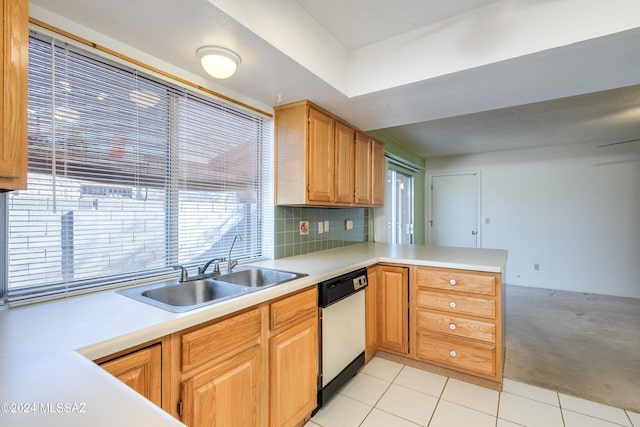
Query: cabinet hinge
[[308, 188], [309, 119], [180, 408]]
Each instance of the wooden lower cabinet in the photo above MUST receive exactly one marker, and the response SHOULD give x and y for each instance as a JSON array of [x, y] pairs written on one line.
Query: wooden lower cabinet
[[393, 309], [141, 370], [371, 313], [227, 394], [457, 320], [255, 368], [293, 359]]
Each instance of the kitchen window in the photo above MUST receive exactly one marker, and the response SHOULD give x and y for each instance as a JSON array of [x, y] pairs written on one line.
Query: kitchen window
[[129, 174]]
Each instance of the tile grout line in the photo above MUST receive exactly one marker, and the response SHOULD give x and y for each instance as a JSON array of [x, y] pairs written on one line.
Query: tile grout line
[[438, 402]]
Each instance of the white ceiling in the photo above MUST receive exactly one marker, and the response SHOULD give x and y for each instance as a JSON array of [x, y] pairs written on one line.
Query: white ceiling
[[463, 76]]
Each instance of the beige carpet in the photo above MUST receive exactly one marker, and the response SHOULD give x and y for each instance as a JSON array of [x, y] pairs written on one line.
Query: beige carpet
[[583, 345]]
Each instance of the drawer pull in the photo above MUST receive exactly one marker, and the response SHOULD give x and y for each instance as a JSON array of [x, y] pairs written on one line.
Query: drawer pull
[[452, 282], [452, 326], [452, 304], [453, 353]]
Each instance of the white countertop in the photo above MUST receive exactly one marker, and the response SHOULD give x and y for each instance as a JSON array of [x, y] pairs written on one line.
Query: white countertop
[[46, 349]]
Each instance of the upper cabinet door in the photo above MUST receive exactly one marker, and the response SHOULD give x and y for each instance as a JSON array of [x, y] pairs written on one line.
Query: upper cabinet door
[[345, 150], [377, 176], [13, 84], [321, 166], [363, 169]]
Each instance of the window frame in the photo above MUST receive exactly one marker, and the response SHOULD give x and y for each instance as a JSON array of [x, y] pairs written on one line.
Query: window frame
[[264, 202]]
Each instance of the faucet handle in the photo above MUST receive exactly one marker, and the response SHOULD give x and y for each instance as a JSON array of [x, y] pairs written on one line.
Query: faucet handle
[[184, 274]]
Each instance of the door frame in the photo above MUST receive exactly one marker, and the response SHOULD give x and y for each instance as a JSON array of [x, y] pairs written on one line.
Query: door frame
[[429, 199]]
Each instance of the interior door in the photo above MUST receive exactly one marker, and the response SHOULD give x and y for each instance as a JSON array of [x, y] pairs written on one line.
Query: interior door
[[455, 200]]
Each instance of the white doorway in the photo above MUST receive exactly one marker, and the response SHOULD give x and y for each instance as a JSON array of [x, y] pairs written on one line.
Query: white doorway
[[455, 210]]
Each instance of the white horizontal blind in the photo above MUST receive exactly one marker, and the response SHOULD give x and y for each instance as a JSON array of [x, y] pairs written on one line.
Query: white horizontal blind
[[129, 175]]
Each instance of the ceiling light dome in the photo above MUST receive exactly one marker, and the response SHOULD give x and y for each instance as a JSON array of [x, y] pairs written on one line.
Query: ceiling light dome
[[219, 62]]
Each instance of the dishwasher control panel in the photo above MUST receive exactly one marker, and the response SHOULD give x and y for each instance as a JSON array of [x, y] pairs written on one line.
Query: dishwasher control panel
[[337, 288]]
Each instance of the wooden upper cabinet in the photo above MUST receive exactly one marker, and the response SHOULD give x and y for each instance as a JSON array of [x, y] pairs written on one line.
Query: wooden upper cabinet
[[378, 174], [14, 39], [345, 151], [319, 160], [363, 169]]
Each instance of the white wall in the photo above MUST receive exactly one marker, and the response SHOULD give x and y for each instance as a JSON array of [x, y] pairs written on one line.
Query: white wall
[[573, 209]]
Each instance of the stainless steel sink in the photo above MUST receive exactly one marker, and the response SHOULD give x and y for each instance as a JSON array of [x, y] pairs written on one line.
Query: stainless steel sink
[[257, 277], [185, 296], [196, 293]]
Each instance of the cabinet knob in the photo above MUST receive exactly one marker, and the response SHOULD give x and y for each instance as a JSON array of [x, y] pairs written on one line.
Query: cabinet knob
[[453, 353], [452, 326], [452, 304], [452, 282]]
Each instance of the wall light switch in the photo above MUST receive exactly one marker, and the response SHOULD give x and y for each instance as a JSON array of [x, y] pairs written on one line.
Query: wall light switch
[[320, 228], [326, 226], [348, 224]]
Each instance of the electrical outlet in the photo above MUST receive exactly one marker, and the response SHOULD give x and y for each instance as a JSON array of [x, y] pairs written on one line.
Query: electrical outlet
[[326, 226], [348, 224], [536, 267], [320, 227]]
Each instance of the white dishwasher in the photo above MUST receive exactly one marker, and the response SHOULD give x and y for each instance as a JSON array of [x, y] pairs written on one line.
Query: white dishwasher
[[342, 330]]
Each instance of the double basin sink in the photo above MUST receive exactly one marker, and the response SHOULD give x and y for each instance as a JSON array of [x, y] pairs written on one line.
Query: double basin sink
[[202, 291]]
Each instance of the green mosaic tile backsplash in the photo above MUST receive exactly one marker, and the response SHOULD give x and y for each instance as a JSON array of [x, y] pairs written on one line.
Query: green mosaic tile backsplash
[[289, 242]]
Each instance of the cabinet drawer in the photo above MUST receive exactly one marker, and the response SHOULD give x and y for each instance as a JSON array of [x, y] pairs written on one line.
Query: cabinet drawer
[[302, 305], [456, 303], [456, 353], [456, 280], [459, 326], [220, 339]]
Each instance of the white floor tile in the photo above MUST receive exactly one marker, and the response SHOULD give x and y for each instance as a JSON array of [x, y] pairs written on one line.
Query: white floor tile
[[635, 418], [472, 396], [423, 381], [365, 388], [531, 413], [382, 368], [378, 418], [505, 423], [531, 392], [597, 410], [451, 415], [408, 404], [311, 424], [341, 411], [574, 419]]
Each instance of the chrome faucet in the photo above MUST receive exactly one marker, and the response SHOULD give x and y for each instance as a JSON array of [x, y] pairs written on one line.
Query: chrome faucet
[[216, 266], [184, 274], [232, 262]]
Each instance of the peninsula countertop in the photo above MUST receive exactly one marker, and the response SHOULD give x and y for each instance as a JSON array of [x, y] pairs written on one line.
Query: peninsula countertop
[[46, 350]]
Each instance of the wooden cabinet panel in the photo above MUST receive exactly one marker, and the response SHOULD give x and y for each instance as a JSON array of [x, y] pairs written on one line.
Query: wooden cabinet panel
[[371, 313], [392, 295], [456, 303], [459, 326], [293, 374], [363, 169], [220, 339], [296, 307], [345, 151], [457, 280], [14, 41], [377, 175], [470, 357], [228, 394], [321, 160], [140, 370]]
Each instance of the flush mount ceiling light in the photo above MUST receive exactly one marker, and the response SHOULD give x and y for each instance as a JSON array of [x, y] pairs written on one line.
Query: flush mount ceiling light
[[219, 62]]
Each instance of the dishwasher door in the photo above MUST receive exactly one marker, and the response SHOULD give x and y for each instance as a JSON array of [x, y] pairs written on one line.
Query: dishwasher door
[[343, 338]]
